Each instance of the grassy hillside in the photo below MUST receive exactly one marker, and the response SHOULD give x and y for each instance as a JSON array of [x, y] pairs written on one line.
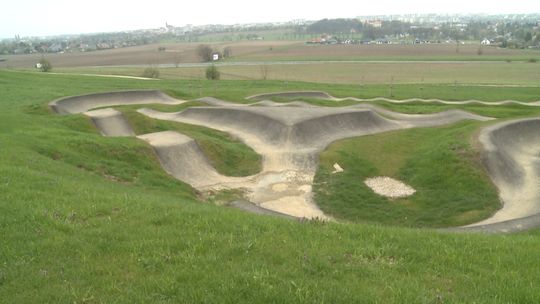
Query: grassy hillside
[[89, 219]]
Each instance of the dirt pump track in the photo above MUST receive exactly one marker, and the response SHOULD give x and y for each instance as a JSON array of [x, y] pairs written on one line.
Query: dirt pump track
[[290, 136]]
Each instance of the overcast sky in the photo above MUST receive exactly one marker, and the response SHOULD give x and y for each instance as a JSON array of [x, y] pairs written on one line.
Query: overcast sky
[[53, 17]]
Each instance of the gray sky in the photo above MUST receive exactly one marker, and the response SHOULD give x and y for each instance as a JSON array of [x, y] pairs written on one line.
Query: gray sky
[[39, 18]]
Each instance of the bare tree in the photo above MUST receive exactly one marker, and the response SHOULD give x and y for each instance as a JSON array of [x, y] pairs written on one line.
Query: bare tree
[[264, 71], [177, 59], [227, 52], [205, 52]]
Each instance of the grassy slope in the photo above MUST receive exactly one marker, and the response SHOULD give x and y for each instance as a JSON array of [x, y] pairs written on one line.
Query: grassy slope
[[71, 234], [452, 188]]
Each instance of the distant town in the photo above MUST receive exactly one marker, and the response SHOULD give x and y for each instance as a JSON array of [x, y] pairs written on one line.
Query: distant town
[[506, 31]]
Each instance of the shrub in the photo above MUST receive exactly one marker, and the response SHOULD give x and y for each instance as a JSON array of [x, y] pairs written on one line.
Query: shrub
[[45, 65], [151, 72], [227, 52], [212, 73], [205, 52]]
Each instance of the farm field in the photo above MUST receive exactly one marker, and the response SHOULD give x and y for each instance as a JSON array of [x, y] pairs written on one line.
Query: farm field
[[480, 73], [138, 55], [395, 52], [80, 210], [268, 51]]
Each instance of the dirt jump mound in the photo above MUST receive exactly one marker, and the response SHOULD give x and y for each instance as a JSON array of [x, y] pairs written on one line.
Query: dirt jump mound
[[110, 122], [292, 94], [83, 103]]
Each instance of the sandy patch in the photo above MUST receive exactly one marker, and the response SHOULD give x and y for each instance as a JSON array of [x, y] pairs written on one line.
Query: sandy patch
[[337, 168], [279, 187], [389, 187]]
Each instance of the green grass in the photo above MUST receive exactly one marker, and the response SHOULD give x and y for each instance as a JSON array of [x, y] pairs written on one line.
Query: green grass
[[452, 187], [72, 233]]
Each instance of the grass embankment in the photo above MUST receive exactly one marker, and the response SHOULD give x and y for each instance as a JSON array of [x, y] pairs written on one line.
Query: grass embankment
[[72, 234], [452, 187]]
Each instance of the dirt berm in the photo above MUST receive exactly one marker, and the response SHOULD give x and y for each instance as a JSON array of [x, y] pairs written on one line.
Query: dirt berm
[[182, 158], [83, 103], [326, 96], [512, 157], [292, 94], [110, 122]]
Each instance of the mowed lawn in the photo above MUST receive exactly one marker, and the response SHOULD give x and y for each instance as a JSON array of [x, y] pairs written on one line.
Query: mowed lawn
[[88, 219]]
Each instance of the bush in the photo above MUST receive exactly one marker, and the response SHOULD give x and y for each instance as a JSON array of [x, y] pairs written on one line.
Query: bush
[[205, 52], [44, 65], [212, 73], [532, 60], [151, 72], [227, 52]]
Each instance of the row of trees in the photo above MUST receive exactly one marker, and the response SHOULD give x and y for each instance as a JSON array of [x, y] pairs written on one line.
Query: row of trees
[[206, 52], [521, 33]]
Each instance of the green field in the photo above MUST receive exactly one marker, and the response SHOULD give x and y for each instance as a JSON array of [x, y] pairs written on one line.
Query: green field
[[90, 219]]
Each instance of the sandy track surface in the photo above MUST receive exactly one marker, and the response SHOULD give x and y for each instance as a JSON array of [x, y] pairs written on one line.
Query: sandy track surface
[[512, 157], [110, 122], [182, 158]]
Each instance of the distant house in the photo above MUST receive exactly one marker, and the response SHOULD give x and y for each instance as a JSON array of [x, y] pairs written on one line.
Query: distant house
[[56, 48], [485, 42], [374, 23], [103, 46]]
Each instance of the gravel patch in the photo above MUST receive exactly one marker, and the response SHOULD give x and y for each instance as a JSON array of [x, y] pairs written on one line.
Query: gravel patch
[[389, 187]]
